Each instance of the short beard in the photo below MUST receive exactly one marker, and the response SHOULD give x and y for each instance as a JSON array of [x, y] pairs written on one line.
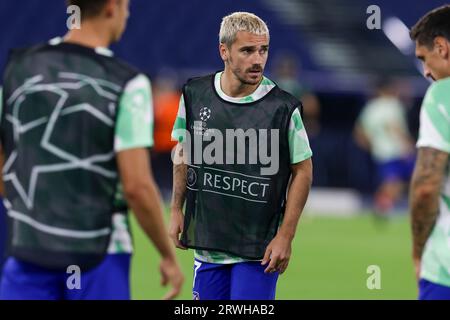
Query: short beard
[[241, 79]]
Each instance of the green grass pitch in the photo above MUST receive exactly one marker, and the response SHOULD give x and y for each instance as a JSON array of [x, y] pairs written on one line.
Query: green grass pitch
[[329, 260]]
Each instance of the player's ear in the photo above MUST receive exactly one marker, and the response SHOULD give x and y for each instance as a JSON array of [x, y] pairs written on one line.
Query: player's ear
[[110, 8], [223, 50], [447, 50], [442, 46]]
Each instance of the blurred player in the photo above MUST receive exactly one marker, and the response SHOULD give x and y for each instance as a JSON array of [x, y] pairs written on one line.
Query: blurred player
[[287, 73], [382, 129], [233, 212], [75, 122], [430, 186]]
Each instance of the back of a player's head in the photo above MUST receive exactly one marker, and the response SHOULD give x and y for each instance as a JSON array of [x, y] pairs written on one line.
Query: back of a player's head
[[384, 84], [112, 15], [89, 8], [435, 23], [241, 21]]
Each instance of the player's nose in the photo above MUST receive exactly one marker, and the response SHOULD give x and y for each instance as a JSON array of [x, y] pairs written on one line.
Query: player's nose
[[257, 59]]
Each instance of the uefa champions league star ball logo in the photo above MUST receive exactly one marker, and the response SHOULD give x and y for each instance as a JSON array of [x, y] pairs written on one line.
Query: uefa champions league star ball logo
[[200, 127], [205, 114], [191, 177]]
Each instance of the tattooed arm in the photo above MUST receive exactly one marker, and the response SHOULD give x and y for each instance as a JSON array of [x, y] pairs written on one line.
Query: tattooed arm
[[424, 197], [178, 197]]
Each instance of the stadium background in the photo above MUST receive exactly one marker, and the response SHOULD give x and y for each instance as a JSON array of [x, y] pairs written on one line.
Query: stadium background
[[338, 58]]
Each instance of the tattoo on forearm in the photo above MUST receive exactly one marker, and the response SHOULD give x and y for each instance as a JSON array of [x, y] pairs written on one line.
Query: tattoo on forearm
[[179, 182], [427, 165], [428, 175], [422, 225]]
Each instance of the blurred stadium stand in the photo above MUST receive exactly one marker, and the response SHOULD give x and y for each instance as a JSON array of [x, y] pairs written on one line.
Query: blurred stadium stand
[[339, 56]]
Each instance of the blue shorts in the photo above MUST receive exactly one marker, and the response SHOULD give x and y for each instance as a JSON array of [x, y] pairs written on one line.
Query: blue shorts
[[397, 169], [25, 281], [238, 281], [432, 291]]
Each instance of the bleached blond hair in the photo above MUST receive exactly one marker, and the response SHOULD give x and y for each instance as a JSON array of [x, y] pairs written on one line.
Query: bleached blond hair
[[241, 21]]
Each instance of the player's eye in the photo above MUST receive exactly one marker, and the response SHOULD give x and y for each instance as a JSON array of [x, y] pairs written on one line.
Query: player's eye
[[247, 50]]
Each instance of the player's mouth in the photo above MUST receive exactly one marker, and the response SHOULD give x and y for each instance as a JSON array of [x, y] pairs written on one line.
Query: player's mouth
[[254, 73]]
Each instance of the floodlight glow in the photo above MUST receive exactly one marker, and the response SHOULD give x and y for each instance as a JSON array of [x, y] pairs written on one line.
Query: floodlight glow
[[398, 33]]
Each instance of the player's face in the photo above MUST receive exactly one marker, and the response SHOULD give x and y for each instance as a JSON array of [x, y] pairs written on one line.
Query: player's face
[[247, 57], [121, 16], [435, 61]]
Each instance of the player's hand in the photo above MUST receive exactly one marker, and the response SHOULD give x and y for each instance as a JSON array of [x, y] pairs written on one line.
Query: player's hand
[[278, 252], [176, 227], [171, 274]]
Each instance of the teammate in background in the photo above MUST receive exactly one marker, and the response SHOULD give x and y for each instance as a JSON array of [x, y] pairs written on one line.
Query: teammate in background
[[242, 234], [430, 185], [166, 97], [287, 74], [76, 126], [382, 129]]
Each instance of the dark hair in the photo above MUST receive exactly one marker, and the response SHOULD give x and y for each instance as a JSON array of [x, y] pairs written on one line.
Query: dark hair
[[383, 82], [89, 8], [434, 24]]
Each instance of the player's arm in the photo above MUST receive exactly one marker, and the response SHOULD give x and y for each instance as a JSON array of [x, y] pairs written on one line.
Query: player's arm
[[297, 196], [401, 132], [178, 197], [133, 138], [144, 200], [424, 195], [432, 160], [179, 177], [279, 250], [398, 126], [360, 136]]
